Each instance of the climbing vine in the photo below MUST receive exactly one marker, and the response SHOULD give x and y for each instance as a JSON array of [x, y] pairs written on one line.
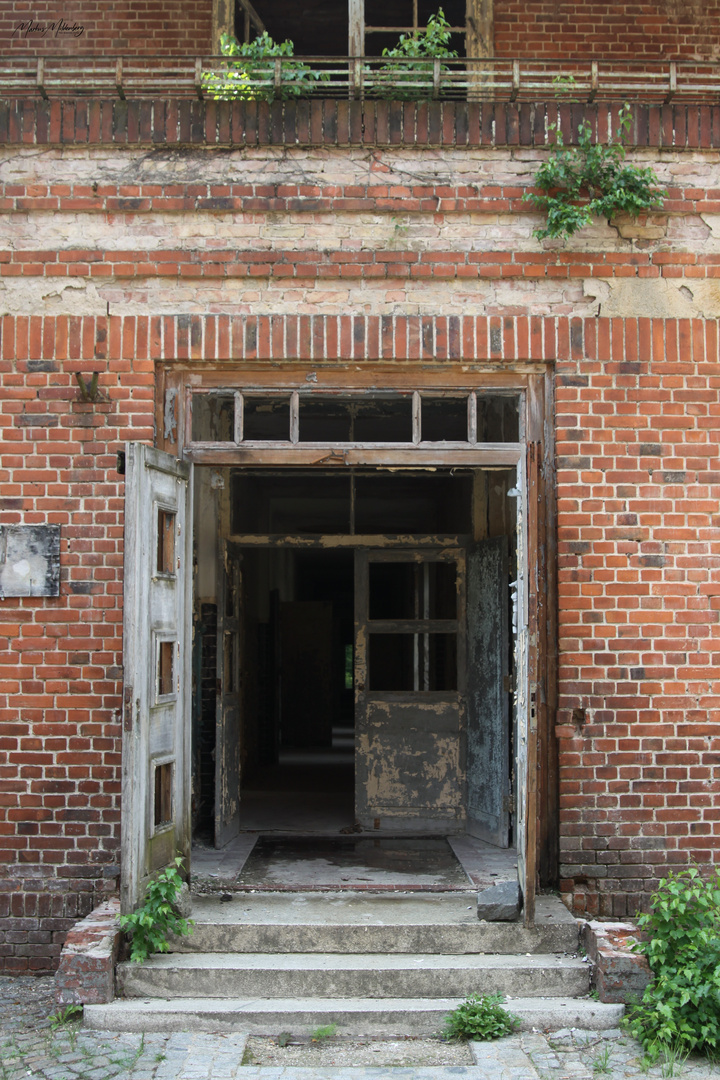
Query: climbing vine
[[591, 180]]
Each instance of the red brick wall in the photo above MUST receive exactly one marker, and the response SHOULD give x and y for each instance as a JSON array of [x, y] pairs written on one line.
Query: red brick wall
[[674, 29], [60, 658], [639, 593], [147, 27], [637, 455], [638, 462]]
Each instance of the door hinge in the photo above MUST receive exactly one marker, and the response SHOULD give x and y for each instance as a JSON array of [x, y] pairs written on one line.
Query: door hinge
[[509, 804], [507, 684]]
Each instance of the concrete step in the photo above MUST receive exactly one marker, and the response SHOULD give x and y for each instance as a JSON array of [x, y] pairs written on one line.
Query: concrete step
[[354, 1016], [375, 923], [303, 975]]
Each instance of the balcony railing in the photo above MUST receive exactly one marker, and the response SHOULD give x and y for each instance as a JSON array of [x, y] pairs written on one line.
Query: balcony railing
[[361, 78]]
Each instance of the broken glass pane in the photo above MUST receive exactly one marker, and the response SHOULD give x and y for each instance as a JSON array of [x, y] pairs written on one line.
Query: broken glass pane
[[213, 417], [444, 419], [266, 419]]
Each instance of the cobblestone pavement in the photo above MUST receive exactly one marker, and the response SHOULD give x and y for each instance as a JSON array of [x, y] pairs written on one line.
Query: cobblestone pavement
[[34, 1046]]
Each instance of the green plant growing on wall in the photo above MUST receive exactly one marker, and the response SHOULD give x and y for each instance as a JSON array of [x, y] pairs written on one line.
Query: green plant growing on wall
[[158, 916], [680, 1009], [480, 1017], [591, 180], [402, 77], [251, 77]]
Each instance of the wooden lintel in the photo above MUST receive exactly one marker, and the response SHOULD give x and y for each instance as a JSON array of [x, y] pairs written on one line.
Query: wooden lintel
[[497, 455]]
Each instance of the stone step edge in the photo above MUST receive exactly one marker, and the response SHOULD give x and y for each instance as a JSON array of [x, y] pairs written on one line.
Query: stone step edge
[[352, 1015], [327, 961]]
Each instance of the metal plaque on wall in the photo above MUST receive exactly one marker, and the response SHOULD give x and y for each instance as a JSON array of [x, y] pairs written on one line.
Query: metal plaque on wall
[[29, 560]]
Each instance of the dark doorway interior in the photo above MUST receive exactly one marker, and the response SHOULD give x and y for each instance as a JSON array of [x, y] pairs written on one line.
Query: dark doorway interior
[[298, 737], [279, 753]]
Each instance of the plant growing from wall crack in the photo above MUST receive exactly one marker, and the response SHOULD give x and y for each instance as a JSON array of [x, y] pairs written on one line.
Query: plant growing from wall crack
[[591, 180], [152, 922]]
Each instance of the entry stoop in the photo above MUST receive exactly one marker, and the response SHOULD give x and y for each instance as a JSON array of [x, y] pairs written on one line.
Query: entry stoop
[[374, 964]]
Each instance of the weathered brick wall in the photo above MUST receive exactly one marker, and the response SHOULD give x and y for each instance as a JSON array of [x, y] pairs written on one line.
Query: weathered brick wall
[[360, 254], [60, 658], [105, 27], [658, 29]]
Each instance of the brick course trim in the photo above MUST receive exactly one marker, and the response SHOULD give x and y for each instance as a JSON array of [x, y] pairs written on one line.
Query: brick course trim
[[365, 265], [326, 122], [357, 337]]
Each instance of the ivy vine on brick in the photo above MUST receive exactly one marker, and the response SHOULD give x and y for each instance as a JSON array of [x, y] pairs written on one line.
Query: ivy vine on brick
[[579, 183]]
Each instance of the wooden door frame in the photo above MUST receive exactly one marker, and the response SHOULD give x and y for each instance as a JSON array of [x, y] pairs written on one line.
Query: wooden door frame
[[176, 380]]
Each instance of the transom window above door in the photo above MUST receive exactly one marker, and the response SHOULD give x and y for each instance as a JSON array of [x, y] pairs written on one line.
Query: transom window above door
[[410, 418]]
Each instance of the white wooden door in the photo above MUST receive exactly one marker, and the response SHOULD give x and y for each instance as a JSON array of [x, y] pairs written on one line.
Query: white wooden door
[[157, 638]]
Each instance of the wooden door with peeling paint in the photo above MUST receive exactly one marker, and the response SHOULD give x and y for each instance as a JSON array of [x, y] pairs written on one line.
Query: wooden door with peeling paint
[[410, 688], [488, 735], [157, 612], [229, 695]]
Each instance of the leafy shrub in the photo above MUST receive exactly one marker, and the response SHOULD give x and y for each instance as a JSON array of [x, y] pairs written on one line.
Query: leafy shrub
[[680, 1009], [158, 916], [403, 78], [252, 76], [480, 1017], [591, 180]]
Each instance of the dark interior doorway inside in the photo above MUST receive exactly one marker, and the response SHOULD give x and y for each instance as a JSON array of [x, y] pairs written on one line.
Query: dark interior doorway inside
[[291, 733], [298, 755]]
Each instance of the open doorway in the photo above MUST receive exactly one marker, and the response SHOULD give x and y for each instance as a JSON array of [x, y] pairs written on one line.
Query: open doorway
[[354, 651], [297, 754]]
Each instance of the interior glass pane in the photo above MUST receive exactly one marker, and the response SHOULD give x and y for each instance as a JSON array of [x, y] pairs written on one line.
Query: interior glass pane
[[162, 803], [393, 590], [213, 417], [165, 542], [498, 419], [266, 419], [444, 419], [392, 661], [412, 590], [412, 662]]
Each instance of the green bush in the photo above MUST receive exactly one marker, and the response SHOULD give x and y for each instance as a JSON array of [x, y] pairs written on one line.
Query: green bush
[[680, 1009], [158, 916], [591, 180], [403, 78], [480, 1017], [252, 76]]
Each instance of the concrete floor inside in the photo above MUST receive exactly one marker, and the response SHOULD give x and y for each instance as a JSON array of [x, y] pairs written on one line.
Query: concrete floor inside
[[254, 862]]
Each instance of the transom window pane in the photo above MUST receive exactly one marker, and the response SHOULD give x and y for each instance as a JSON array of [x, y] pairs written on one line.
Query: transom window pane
[[444, 419], [266, 419], [213, 417]]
